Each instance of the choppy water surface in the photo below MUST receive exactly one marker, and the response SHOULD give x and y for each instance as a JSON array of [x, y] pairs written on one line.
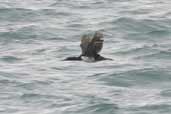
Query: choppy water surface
[[35, 35]]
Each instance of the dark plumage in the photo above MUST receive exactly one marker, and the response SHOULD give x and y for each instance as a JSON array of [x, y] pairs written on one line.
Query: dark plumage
[[90, 48], [95, 45]]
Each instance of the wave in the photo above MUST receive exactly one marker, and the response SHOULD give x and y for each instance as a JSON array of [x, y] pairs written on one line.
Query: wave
[[155, 108], [10, 59], [140, 76], [132, 25], [102, 108], [165, 55]]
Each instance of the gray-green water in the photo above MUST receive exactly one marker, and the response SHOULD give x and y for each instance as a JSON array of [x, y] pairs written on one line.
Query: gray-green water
[[35, 35]]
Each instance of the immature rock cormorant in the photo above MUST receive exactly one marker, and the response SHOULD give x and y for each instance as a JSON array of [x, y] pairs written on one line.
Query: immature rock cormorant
[[90, 48]]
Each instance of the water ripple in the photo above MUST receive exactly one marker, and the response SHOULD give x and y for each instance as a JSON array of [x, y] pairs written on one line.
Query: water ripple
[[36, 35]]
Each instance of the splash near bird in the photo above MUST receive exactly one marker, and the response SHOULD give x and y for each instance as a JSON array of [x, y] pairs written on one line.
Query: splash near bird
[[90, 49]]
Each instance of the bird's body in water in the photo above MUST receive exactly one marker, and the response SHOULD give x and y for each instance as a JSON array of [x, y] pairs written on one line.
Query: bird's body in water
[[90, 48]]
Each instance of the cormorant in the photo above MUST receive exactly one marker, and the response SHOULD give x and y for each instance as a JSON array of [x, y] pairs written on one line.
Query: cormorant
[[90, 48]]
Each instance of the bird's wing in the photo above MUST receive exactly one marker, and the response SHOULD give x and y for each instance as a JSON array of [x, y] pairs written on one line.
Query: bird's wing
[[85, 41], [98, 41]]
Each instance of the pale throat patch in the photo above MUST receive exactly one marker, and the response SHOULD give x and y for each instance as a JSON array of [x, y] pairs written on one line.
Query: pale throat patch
[[88, 59]]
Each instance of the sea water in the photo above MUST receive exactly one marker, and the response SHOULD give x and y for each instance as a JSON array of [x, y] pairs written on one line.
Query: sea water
[[36, 35]]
